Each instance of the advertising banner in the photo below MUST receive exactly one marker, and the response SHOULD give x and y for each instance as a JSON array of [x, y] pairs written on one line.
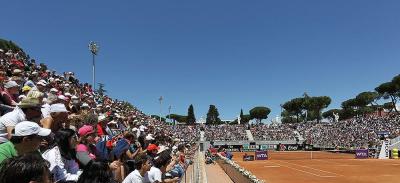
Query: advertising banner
[[293, 147], [261, 155], [361, 153], [248, 158]]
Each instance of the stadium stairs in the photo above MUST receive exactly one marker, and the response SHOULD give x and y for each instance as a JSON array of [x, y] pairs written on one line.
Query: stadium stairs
[[202, 133], [249, 135]]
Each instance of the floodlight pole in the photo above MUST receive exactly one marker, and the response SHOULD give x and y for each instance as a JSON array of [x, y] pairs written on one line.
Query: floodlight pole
[[94, 48], [160, 99]]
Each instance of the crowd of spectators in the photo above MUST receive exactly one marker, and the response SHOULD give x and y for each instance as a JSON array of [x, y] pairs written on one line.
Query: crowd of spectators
[[361, 132], [273, 132], [358, 132], [225, 132], [53, 128]]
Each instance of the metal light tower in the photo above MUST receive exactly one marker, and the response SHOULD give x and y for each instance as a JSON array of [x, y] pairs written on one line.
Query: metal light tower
[[169, 113], [94, 48], [160, 99]]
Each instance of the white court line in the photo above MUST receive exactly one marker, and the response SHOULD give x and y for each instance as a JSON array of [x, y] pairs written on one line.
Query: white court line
[[338, 164], [303, 171], [327, 161], [312, 168], [347, 165], [272, 166]]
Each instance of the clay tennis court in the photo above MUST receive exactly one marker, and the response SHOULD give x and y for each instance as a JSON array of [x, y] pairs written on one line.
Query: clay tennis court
[[298, 167]]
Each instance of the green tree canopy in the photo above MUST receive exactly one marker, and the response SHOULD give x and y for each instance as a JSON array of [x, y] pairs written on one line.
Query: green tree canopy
[[329, 113], [305, 107], [388, 106], [259, 113], [101, 89], [213, 115], [293, 107], [317, 104], [389, 90], [367, 98], [177, 117], [158, 117], [191, 119], [9, 45], [244, 118]]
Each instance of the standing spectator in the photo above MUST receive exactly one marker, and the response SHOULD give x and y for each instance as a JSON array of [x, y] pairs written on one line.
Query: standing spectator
[[26, 139]]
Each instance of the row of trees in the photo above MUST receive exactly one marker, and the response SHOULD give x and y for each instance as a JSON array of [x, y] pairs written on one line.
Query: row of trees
[[304, 108], [189, 119], [309, 108], [258, 113], [368, 102]]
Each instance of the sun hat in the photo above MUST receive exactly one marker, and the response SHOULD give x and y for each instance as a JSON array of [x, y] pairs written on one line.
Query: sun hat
[[58, 108], [26, 128], [26, 88], [85, 130], [11, 84], [152, 147], [29, 102]]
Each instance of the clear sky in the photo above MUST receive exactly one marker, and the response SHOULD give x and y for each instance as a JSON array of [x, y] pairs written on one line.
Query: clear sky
[[234, 54]]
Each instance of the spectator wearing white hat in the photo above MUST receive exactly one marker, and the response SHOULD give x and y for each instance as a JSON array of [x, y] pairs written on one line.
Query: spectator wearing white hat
[[51, 98], [101, 125], [26, 139], [27, 109], [8, 96], [53, 91], [58, 117], [41, 86], [65, 100]]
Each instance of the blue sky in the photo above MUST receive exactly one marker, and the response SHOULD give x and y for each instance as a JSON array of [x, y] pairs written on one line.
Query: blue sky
[[234, 54]]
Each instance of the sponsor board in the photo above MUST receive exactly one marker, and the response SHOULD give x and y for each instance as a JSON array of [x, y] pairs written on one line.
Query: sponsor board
[[261, 155], [288, 147], [361, 153], [248, 158], [268, 147], [292, 147]]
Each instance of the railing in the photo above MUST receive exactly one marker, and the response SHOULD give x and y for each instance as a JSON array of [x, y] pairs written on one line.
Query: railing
[[195, 171], [234, 174]]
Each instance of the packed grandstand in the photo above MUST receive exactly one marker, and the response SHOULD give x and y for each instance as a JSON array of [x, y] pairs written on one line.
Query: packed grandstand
[[86, 136]]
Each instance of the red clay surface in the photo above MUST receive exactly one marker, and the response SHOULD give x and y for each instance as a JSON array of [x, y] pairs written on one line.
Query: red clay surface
[[298, 167]]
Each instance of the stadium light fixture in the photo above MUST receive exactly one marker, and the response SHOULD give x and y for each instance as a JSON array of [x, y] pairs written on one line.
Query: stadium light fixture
[[94, 48]]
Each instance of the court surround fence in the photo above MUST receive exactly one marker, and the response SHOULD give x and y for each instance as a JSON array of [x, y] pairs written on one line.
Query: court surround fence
[[236, 172]]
